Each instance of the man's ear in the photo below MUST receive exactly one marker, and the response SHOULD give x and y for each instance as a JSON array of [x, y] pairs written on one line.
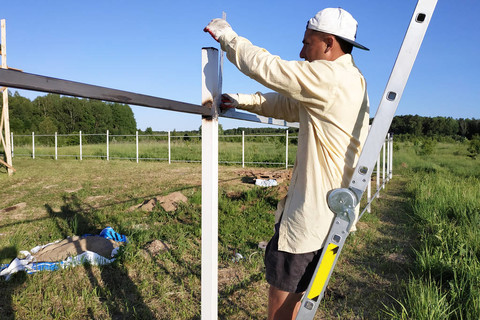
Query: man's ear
[[329, 41]]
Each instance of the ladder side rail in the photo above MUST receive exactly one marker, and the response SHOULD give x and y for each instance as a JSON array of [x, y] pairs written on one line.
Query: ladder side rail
[[392, 94]]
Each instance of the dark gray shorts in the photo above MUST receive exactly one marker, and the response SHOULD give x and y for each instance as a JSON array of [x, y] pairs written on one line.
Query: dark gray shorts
[[289, 271]]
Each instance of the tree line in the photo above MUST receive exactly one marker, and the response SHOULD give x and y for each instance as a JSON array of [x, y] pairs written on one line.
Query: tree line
[[415, 126], [65, 115]]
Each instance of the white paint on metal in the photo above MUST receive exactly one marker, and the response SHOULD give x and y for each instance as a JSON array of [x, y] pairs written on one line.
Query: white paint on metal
[[209, 277], [108, 146], [80, 143]]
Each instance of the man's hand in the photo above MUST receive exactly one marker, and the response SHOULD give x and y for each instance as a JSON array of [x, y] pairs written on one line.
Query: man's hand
[[229, 101], [217, 27]]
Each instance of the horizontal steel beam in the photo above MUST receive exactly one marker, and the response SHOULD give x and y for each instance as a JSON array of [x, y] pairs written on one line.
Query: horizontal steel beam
[[28, 81]]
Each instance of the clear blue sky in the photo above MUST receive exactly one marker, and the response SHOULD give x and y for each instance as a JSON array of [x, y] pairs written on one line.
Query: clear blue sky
[[154, 48]]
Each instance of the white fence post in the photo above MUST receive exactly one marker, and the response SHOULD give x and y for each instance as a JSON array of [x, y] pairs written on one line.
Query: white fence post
[[369, 195], [383, 165], [391, 156], [378, 173], [56, 144], [33, 145], [136, 143], [108, 147], [243, 149], [388, 157], [80, 143], [169, 150], [286, 149], [209, 273]]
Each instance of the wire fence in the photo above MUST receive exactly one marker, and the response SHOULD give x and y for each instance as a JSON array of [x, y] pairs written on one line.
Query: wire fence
[[276, 150]]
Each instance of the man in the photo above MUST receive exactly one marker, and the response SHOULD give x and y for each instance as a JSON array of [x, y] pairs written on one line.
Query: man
[[327, 95]]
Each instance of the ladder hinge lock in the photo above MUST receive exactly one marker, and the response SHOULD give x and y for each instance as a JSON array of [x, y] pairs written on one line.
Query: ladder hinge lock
[[342, 202]]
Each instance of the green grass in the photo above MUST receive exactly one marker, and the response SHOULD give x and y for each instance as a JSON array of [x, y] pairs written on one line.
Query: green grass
[[444, 192], [414, 257]]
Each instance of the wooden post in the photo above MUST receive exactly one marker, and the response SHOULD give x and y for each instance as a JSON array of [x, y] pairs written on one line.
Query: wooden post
[[5, 122], [209, 278]]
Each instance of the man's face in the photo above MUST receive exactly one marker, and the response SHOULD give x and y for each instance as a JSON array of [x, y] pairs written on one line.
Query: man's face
[[314, 46]]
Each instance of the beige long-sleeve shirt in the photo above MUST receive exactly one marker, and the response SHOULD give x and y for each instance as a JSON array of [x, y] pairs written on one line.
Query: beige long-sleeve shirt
[[329, 99]]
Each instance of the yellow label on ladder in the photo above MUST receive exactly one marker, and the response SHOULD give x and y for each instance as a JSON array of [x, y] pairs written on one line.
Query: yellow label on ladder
[[323, 271]]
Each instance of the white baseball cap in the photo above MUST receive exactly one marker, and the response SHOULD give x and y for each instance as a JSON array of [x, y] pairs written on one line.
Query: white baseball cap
[[338, 22]]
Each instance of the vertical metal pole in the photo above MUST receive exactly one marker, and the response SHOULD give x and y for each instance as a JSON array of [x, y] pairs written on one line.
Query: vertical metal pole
[[56, 143], [33, 145], [383, 165], [391, 157], [81, 146], [388, 157], [169, 150], [369, 196], [378, 173], [136, 143], [108, 147], [11, 134], [210, 91], [286, 149], [243, 149]]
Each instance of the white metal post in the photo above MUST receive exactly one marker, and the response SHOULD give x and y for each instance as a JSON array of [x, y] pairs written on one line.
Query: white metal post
[[80, 142], [286, 149], [369, 196], [169, 151], [209, 280], [11, 135], [136, 143], [108, 146], [378, 175], [388, 157], [391, 157], [33, 145], [243, 149], [383, 165], [56, 143]]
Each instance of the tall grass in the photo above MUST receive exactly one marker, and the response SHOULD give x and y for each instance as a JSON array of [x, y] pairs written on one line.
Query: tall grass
[[445, 202]]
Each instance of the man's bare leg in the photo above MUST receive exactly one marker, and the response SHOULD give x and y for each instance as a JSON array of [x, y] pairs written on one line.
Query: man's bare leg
[[282, 305]]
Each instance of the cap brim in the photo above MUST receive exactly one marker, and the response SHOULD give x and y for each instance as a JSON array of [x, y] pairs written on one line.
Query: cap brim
[[355, 44]]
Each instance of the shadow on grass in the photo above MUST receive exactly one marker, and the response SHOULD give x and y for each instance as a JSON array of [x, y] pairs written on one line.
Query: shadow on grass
[[8, 287], [117, 292]]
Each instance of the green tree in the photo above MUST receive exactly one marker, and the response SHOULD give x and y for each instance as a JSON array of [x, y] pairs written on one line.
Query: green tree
[[47, 126]]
